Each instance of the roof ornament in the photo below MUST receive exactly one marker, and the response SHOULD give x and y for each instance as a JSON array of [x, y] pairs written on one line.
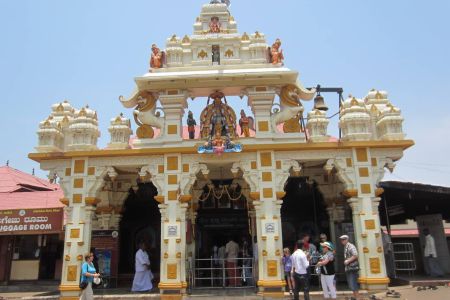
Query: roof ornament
[[227, 2]]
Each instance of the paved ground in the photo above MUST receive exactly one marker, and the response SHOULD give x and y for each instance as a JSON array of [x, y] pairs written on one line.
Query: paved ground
[[406, 293]]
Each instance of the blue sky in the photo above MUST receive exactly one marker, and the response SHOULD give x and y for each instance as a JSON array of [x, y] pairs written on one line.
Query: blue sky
[[89, 52]]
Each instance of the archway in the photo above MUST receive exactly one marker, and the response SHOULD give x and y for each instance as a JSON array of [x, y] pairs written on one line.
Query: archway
[[303, 211], [141, 220]]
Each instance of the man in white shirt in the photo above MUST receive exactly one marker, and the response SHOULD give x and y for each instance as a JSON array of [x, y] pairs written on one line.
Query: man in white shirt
[[431, 255], [299, 271], [231, 252]]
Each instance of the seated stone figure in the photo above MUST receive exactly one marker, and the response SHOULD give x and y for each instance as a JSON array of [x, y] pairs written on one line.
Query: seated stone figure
[[218, 114]]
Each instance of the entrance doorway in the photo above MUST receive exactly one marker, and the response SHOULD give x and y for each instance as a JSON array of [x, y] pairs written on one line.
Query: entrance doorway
[[222, 217], [141, 221]]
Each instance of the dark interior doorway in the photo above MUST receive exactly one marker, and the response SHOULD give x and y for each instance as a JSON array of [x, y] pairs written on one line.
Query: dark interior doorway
[[141, 220], [303, 211]]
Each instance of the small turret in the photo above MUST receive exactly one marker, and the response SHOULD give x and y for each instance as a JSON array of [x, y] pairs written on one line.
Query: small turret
[[120, 130], [83, 130], [317, 126], [355, 120]]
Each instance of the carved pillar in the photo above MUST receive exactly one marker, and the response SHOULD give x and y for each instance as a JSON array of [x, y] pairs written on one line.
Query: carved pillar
[[261, 101], [266, 177], [177, 179], [81, 184], [174, 103], [360, 173]]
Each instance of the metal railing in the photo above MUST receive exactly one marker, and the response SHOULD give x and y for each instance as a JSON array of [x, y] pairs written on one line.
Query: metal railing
[[220, 273], [404, 259]]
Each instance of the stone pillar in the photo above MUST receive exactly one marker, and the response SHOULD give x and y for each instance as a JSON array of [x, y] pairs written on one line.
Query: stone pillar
[[174, 194], [360, 173], [261, 101], [174, 103], [266, 177], [81, 184]]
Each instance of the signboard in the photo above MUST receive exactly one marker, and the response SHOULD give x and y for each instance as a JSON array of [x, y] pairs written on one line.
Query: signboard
[[31, 221]]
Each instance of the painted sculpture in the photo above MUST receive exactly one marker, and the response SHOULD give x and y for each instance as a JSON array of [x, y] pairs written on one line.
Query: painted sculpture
[[214, 25], [191, 123], [276, 54], [291, 108], [218, 127], [157, 58], [246, 123], [145, 114]]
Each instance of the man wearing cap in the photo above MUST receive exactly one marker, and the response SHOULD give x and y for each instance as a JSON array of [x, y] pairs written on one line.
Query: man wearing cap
[[351, 265], [299, 271], [327, 272]]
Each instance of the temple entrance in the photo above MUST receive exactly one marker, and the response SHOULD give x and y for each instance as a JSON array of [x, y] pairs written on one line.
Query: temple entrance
[[222, 217], [304, 213], [141, 221]]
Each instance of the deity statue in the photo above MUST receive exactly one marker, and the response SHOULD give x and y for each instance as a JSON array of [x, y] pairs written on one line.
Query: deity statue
[[276, 54], [215, 54], [218, 126], [214, 25], [245, 123], [191, 125], [218, 143], [157, 58]]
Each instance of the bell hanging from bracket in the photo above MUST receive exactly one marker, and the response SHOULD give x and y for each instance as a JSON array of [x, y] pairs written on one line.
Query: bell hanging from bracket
[[319, 103]]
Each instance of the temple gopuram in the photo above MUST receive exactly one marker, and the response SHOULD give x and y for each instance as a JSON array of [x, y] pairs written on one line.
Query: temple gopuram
[[187, 188]]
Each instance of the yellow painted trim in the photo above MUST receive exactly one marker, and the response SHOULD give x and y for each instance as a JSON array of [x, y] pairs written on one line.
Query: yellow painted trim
[[91, 201], [349, 162], [77, 198], [280, 194], [159, 199], [172, 129], [172, 195], [255, 195], [271, 283], [64, 201], [172, 179], [79, 166], [361, 154], [350, 193], [365, 188], [68, 172], [266, 159], [278, 164], [161, 169], [379, 192], [267, 176], [273, 294], [172, 163], [170, 286], [405, 144], [172, 271], [374, 162], [370, 224], [185, 198], [78, 183], [74, 233], [369, 281], [68, 298], [364, 172], [72, 273], [263, 126], [186, 168], [91, 171], [267, 193], [253, 165]]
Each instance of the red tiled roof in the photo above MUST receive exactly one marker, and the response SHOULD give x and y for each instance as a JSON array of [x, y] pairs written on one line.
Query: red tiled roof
[[12, 180], [31, 200], [19, 190]]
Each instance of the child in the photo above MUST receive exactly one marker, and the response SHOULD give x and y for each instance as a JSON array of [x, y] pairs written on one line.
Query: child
[[287, 263]]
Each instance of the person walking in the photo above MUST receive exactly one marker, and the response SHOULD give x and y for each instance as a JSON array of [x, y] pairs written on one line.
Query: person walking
[[142, 281], [299, 271], [287, 264], [327, 272], [231, 252], [88, 274], [351, 265], [430, 254]]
